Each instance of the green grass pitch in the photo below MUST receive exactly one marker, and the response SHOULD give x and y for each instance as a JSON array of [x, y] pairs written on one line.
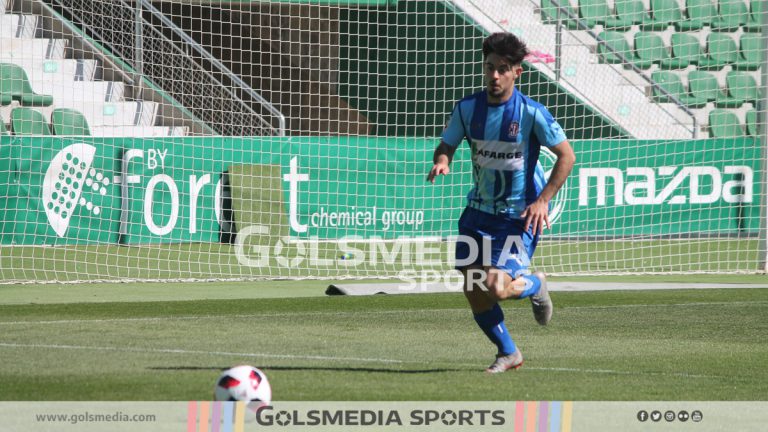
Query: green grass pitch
[[101, 343]]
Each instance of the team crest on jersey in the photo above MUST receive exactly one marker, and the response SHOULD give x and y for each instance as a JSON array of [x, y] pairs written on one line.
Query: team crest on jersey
[[514, 128]]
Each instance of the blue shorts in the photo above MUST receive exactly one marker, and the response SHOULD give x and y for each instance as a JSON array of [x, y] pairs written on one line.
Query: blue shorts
[[490, 240]]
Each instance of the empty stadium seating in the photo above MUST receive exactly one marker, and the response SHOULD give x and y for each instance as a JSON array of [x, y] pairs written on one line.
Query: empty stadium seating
[[724, 124], [672, 83], [14, 82], [28, 121], [549, 13], [664, 13], [732, 15], [751, 120], [698, 14], [721, 51], [619, 43], [686, 49], [68, 94], [67, 121], [704, 85], [754, 19], [742, 86], [750, 52], [712, 50]]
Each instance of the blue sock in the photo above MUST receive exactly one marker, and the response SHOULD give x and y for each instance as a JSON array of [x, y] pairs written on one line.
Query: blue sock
[[532, 285], [492, 324]]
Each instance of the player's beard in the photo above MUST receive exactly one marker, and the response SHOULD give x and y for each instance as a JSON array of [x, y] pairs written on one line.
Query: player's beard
[[495, 91]]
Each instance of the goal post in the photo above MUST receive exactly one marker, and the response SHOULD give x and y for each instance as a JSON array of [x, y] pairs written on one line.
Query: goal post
[[207, 140]]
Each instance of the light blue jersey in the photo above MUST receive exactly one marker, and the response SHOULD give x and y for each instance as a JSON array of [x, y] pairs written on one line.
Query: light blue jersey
[[506, 140]]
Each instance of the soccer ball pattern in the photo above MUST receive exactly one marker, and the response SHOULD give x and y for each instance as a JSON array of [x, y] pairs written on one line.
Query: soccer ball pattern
[[243, 383]]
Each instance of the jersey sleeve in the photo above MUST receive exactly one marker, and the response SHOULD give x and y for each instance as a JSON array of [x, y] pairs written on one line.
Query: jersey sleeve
[[454, 133], [547, 129]]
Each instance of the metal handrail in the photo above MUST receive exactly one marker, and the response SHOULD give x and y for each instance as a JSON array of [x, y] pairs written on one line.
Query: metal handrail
[[184, 47], [214, 61], [77, 33]]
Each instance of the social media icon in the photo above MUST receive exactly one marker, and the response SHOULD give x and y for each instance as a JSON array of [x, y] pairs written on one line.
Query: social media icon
[[656, 416], [642, 415], [683, 416], [669, 416], [697, 416]]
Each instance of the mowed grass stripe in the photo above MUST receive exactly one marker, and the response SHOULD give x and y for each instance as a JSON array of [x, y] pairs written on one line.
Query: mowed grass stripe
[[661, 345], [757, 303], [470, 366]]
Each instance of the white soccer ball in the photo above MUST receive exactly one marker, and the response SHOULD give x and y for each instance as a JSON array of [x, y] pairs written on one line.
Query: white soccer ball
[[243, 383]]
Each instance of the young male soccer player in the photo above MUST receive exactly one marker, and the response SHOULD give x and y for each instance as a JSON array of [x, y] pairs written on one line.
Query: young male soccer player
[[508, 207]]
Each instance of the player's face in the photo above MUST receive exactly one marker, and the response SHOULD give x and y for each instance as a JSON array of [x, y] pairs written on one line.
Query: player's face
[[500, 77]]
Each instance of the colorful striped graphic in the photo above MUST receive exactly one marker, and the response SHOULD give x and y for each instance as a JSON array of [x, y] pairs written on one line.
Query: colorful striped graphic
[[519, 416], [216, 417], [543, 416], [532, 409]]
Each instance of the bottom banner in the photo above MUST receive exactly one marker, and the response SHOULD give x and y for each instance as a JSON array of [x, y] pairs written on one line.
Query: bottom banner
[[522, 416]]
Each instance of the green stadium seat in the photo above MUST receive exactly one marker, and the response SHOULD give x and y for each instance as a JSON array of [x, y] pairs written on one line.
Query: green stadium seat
[[27, 121], [631, 11], [594, 12], [14, 82], [704, 85], [597, 12], [664, 14], [742, 86], [724, 124], [610, 21], [698, 13], [754, 19], [732, 14], [671, 82], [649, 47], [721, 51], [3, 130], [6, 99], [619, 43], [752, 128], [549, 13], [750, 49], [69, 122], [686, 49]]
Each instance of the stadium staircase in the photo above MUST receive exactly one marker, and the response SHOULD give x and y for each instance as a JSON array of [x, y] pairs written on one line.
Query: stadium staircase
[[706, 59], [78, 84]]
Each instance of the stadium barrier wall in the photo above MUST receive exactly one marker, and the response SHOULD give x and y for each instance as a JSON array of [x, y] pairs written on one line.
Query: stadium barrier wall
[[85, 190]]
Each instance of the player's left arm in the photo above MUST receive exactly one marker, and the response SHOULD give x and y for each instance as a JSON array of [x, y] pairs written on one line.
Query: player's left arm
[[537, 214]]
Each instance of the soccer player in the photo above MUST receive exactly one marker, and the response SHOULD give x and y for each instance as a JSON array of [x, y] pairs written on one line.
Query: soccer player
[[508, 207]]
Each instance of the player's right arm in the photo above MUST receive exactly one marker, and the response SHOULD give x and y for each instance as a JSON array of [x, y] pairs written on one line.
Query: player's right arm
[[442, 161], [453, 135]]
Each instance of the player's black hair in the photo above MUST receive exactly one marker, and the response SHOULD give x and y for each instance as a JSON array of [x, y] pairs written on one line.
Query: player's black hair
[[506, 45]]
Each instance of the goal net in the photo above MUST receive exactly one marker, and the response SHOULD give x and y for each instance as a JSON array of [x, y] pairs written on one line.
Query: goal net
[[236, 140]]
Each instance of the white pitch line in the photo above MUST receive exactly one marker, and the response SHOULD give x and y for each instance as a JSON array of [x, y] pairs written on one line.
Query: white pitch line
[[182, 351], [613, 372], [332, 358], [345, 313]]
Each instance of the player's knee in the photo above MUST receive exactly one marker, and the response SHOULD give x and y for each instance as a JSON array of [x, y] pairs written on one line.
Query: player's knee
[[474, 280], [495, 284]]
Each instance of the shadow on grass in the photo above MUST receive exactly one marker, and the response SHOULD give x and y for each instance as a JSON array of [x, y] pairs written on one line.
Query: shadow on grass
[[312, 368]]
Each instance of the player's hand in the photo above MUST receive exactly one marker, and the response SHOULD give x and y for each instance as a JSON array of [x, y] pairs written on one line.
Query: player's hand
[[537, 216], [438, 169]]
